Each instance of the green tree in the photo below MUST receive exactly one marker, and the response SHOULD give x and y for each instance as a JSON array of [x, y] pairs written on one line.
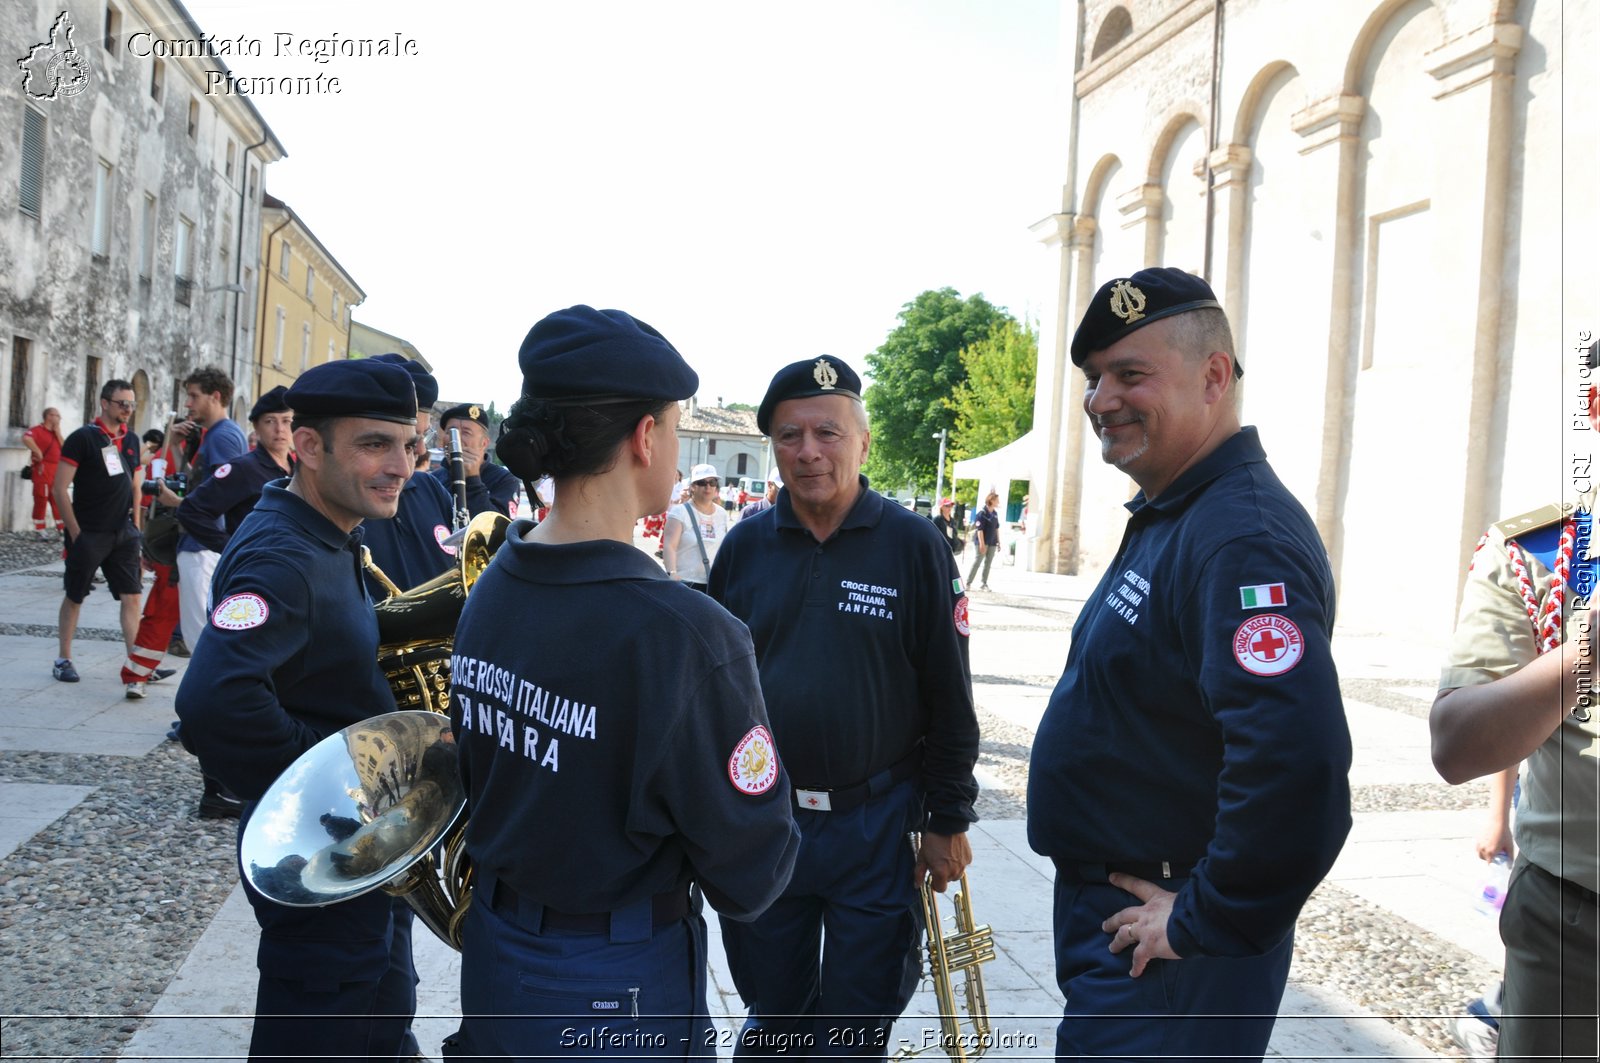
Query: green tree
[[993, 406], [916, 369]]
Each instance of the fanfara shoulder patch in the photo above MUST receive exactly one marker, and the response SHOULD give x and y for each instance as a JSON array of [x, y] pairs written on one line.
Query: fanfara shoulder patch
[[440, 534], [1268, 644], [222, 471], [753, 767], [963, 622], [239, 612]]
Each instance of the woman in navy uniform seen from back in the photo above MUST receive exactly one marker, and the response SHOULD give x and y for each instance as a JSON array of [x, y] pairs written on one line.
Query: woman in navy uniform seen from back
[[614, 745]]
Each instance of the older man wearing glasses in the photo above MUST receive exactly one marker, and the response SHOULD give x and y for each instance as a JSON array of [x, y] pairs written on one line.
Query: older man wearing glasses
[[94, 489]]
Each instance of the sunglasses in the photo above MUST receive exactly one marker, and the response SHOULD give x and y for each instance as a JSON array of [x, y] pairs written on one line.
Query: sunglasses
[[708, 483], [123, 404]]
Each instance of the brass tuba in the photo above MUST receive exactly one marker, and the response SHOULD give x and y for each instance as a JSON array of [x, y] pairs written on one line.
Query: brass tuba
[[964, 1031], [397, 818]]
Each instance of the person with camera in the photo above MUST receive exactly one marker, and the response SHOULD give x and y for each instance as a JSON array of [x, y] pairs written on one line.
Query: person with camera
[[209, 393], [160, 615], [94, 488]]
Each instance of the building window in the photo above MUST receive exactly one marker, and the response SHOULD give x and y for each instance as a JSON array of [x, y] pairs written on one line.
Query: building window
[[91, 388], [305, 346], [330, 350], [1116, 28], [113, 28], [194, 118], [311, 280], [247, 302], [283, 259], [158, 71], [21, 353], [227, 165], [711, 447], [147, 237], [335, 314], [252, 182], [277, 345], [30, 188], [744, 464], [182, 260], [100, 242]]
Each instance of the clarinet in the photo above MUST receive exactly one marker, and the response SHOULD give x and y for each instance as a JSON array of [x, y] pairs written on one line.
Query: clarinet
[[458, 480]]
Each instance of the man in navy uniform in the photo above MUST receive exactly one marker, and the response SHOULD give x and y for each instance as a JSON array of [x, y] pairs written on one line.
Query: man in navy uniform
[[489, 486], [410, 547], [213, 511], [860, 627], [290, 657], [1189, 776]]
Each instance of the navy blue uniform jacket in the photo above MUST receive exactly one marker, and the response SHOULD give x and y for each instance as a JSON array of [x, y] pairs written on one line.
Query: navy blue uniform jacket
[[212, 512], [494, 488], [863, 647], [407, 545], [290, 652], [1199, 719], [613, 741]]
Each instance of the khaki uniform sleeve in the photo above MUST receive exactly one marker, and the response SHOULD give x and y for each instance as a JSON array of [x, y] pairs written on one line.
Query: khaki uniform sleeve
[[1494, 636]]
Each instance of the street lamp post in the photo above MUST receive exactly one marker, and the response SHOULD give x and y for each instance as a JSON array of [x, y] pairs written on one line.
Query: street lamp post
[[938, 478]]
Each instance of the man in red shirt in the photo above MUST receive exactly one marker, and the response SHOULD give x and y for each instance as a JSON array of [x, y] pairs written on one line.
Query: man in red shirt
[[98, 516], [43, 441]]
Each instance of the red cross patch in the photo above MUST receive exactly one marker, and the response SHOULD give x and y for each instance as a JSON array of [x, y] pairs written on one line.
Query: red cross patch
[[1268, 644]]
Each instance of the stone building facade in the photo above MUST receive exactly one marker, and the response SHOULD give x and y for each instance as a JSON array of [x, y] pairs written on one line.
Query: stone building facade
[[727, 439], [1375, 191], [129, 218]]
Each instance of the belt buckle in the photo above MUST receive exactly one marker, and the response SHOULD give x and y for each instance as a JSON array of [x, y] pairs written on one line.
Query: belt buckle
[[813, 800]]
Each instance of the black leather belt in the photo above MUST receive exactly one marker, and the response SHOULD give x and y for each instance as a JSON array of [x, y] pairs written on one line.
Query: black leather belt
[[843, 799], [665, 909], [1152, 871]]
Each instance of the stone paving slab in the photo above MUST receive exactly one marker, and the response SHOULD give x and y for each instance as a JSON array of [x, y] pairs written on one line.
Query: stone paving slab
[[28, 808]]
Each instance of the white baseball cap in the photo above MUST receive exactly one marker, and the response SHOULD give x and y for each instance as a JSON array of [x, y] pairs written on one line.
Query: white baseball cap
[[703, 472]]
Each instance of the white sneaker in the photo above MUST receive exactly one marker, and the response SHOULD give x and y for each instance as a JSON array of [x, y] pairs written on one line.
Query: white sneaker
[[1476, 1037], [135, 691]]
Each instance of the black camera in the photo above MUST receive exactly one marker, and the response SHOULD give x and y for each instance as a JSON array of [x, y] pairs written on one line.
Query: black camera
[[178, 485]]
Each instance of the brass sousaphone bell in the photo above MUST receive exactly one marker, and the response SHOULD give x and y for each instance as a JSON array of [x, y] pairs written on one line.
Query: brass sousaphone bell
[[368, 807]]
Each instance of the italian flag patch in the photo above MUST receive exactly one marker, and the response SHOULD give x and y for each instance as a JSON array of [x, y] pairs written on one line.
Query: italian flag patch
[[1261, 596]]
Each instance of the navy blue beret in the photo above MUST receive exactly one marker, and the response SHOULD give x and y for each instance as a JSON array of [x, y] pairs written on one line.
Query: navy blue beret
[[467, 411], [364, 387], [272, 402], [427, 387], [799, 380], [1124, 305], [581, 353]]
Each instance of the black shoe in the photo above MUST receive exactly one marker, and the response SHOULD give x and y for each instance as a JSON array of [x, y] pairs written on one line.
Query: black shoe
[[177, 647], [161, 673], [219, 806]]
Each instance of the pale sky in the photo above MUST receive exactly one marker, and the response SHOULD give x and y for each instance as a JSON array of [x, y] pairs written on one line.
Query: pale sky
[[762, 182]]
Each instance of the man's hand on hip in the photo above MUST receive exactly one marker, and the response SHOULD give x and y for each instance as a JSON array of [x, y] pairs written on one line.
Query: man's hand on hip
[[1143, 927]]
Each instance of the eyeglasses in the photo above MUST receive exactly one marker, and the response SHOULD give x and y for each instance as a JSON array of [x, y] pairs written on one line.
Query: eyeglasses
[[122, 403], [707, 483]]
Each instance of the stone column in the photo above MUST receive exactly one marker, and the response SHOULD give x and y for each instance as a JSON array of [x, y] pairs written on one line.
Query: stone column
[[1142, 205], [1051, 376], [1230, 182], [1335, 121], [1476, 76]]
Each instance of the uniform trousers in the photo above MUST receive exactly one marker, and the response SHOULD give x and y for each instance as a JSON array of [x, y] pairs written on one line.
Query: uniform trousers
[[1196, 1008], [1552, 965], [535, 992], [156, 625], [194, 591], [831, 965], [323, 995]]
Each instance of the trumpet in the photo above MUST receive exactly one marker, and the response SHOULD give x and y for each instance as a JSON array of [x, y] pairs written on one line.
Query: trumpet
[[964, 1029]]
